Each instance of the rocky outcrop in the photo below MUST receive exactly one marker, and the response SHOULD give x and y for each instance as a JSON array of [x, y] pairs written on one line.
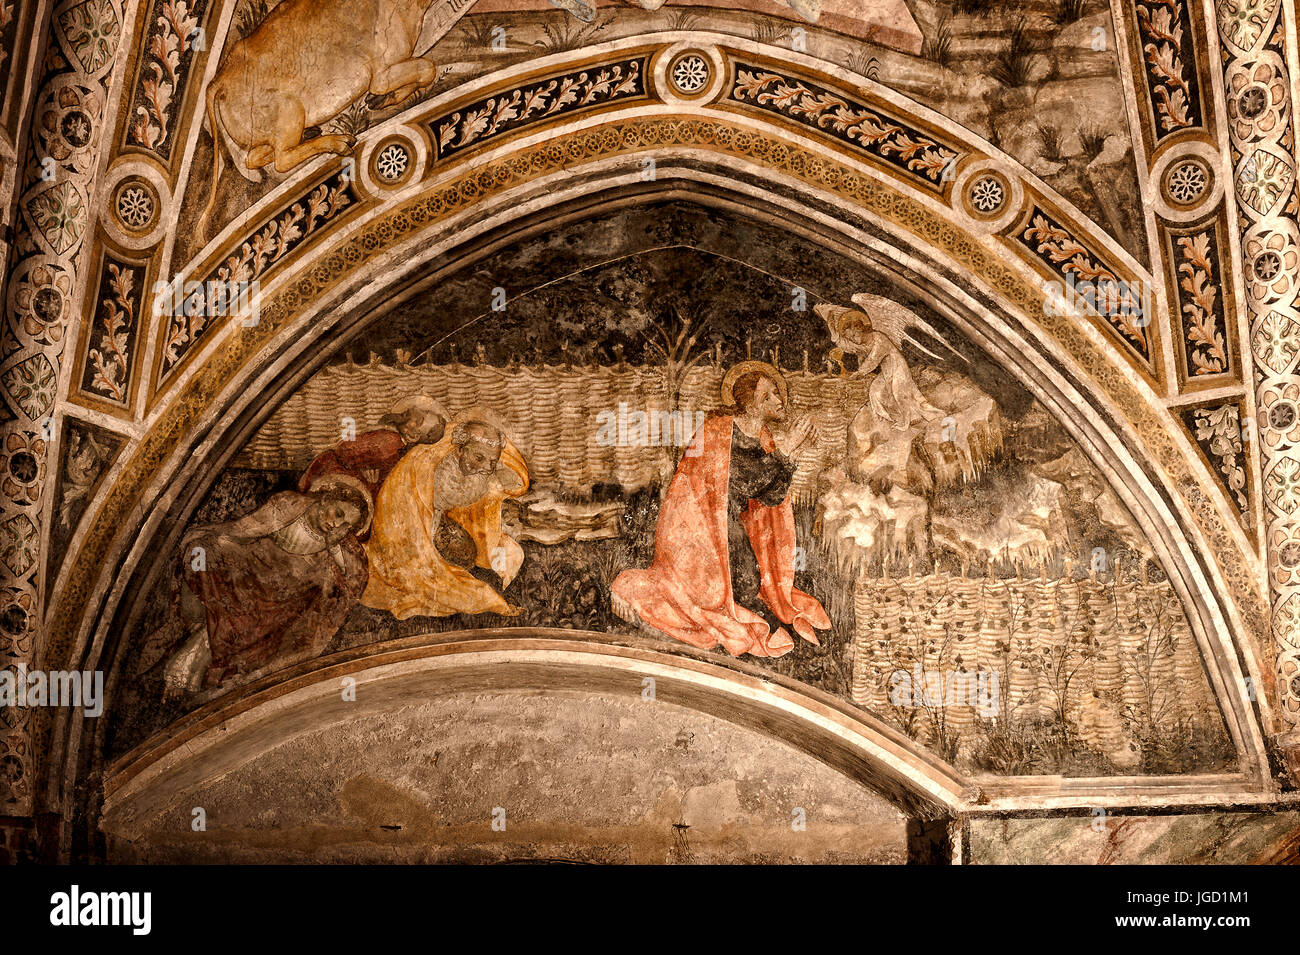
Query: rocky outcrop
[[875, 508]]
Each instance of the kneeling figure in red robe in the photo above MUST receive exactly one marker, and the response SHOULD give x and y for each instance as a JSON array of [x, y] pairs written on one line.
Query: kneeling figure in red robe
[[723, 570]]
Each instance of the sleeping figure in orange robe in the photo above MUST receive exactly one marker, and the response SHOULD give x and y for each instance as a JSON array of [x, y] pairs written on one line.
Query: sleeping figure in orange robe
[[437, 547]]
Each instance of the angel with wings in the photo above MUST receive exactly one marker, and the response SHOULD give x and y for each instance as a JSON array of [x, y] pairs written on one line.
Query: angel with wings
[[875, 332]]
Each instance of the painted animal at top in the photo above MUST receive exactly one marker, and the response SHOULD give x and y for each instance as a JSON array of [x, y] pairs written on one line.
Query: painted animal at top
[[307, 62]]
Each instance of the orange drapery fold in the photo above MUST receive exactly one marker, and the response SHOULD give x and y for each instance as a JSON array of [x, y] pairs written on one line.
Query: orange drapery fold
[[408, 577]]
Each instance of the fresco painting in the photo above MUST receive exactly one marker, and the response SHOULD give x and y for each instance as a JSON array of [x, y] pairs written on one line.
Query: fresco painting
[[694, 431], [865, 517]]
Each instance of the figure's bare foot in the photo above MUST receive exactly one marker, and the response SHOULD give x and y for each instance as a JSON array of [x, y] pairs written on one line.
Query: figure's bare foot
[[512, 611]]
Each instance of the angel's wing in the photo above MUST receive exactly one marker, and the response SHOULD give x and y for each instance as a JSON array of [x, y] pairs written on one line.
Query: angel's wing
[[833, 316], [896, 323]]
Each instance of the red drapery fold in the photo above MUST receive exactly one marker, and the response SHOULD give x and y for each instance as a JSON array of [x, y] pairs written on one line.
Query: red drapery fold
[[686, 591]]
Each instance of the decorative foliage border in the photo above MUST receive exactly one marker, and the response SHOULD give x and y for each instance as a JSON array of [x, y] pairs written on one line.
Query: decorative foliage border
[[1169, 54], [281, 234], [173, 38], [1254, 34], [1217, 432], [1097, 285], [509, 111], [80, 56], [110, 349], [866, 129], [1200, 297], [86, 454]]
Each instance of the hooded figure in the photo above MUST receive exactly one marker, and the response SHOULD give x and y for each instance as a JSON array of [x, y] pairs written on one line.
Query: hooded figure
[[371, 456], [274, 586]]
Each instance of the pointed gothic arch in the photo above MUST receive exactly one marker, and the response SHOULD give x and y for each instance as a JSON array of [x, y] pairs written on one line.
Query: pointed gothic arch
[[716, 146]]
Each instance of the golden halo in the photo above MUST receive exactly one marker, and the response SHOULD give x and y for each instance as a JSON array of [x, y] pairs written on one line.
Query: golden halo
[[744, 368], [342, 479]]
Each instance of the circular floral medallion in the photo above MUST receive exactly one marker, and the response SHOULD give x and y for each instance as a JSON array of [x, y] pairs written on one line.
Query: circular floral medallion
[[47, 303], [392, 161], [1282, 416], [66, 130], [23, 467], [1267, 265], [76, 128], [1257, 98], [690, 73], [136, 205], [42, 297], [1253, 101], [14, 619], [11, 769], [1187, 181], [15, 623], [987, 195]]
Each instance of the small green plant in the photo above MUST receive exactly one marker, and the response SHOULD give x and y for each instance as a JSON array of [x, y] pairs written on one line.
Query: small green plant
[[1011, 65], [476, 32], [353, 121], [570, 34], [769, 31], [938, 48], [682, 20], [865, 64], [1093, 140], [1002, 749], [1049, 141], [1068, 11]]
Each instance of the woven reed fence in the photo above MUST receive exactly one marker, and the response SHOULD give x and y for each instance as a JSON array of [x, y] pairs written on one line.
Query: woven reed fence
[[550, 413], [1144, 664]]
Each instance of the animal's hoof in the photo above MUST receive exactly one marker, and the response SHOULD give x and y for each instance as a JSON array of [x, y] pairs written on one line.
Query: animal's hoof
[[393, 99], [340, 144]]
